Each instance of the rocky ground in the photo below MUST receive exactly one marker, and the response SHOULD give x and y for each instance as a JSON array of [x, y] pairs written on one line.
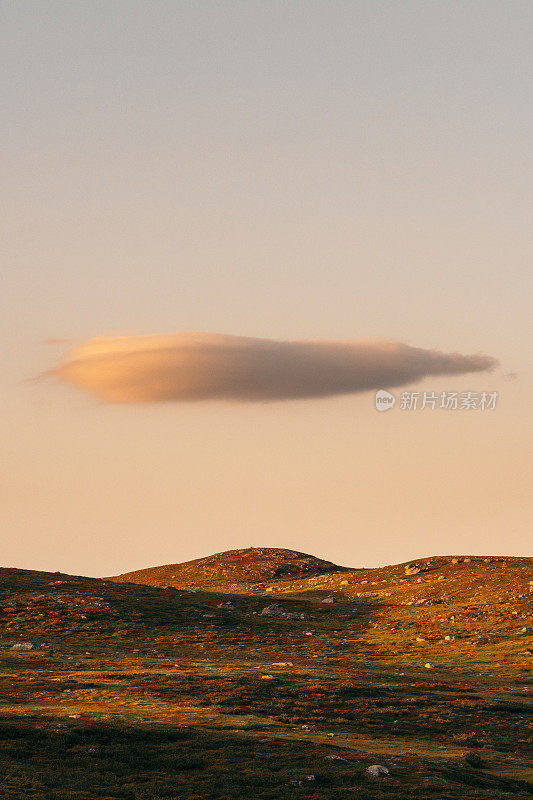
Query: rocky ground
[[269, 674]]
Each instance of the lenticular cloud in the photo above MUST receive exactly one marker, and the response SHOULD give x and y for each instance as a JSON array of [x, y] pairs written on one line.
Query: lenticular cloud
[[208, 366]]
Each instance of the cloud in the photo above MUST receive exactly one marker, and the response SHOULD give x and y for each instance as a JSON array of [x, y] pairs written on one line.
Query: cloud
[[208, 366]]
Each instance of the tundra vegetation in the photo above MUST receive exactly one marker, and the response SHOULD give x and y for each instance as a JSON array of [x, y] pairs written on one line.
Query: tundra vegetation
[[172, 682]]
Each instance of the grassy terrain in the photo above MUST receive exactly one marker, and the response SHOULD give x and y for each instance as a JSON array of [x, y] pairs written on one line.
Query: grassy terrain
[[141, 692]]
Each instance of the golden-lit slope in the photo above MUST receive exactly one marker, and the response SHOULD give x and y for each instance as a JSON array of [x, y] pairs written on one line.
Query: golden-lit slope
[[447, 579], [234, 570], [424, 668]]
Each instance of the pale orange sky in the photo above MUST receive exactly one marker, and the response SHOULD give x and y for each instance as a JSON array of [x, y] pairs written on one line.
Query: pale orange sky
[[293, 171]]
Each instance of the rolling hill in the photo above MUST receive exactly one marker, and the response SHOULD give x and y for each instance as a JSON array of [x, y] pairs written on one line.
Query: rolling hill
[[262, 667], [234, 570]]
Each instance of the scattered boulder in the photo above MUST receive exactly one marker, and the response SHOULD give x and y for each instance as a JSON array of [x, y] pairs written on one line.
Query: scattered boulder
[[414, 569], [428, 601], [378, 771], [23, 646], [429, 665], [301, 781], [273, 610]]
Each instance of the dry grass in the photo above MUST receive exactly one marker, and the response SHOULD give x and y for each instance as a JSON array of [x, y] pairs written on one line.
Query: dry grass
[[174, 704]]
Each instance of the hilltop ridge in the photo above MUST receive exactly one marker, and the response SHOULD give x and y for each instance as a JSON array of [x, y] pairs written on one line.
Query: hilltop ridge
[[258, 570], [234, 569]]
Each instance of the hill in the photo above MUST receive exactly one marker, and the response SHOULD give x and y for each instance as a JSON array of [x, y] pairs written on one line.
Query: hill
[[234, 570], [137, 692]]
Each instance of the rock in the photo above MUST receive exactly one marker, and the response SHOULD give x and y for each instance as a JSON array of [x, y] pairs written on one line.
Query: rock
[[427, 601], [209, 616], [228, 606], [525, 632], [329, 600], [74, 716], [273, 610], [429, 665], [345, 583], [449, 638], [378, 771], [414, 569], [336, 758], [301, 781], [23, 646], [267, 677], [421, 639], [282, 664]]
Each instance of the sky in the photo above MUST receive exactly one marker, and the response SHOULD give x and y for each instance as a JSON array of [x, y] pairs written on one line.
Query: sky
[[282, 207]]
